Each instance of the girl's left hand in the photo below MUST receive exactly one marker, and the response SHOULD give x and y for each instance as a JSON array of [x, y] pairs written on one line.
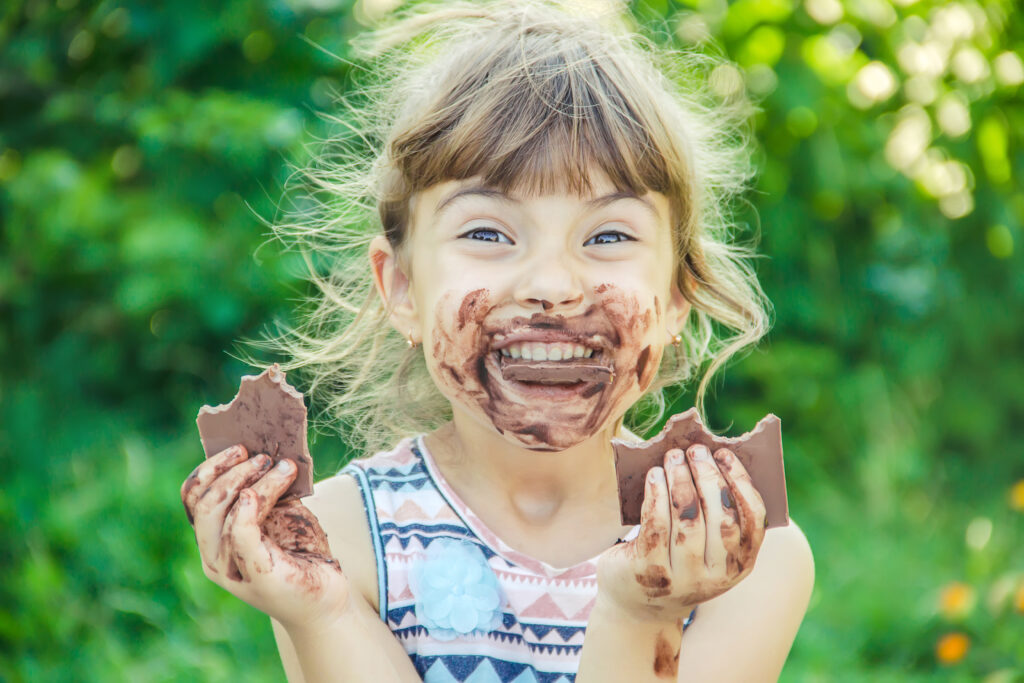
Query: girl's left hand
[[701, 526]]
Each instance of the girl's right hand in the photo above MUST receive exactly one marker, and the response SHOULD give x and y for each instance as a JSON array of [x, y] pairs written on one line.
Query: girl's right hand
[[273, 556]]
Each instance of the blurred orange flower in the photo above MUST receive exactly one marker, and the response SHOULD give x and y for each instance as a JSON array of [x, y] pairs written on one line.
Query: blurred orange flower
[[1018, 598], [951, 648], [956, 600], [1017, 496]]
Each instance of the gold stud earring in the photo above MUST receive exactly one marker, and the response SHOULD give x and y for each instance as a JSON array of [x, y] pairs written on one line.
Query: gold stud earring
[[410, 341], [677, 339]]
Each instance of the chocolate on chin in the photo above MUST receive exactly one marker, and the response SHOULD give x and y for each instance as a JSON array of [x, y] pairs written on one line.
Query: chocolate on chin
[[556, 371], [760, 451], [266, 416]]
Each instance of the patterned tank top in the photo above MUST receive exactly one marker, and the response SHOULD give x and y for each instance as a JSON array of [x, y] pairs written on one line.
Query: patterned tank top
[[465, 606]]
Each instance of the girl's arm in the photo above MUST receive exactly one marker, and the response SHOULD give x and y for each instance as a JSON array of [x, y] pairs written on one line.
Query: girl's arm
[[359, 647], [741, 636]]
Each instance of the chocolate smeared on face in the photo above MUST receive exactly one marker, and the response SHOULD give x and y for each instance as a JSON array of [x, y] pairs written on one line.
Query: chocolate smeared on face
[[546, 406]]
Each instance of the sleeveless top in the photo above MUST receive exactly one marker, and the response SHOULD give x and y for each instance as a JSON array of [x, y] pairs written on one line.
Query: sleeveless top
[[465, 606]]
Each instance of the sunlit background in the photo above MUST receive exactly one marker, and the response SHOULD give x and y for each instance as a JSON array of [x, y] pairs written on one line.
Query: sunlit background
[[140, 141]]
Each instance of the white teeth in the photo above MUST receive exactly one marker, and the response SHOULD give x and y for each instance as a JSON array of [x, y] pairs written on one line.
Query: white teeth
[[546, 352]]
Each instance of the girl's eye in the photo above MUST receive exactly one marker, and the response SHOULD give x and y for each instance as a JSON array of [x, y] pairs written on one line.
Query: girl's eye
[[486, 235], [609, 237]]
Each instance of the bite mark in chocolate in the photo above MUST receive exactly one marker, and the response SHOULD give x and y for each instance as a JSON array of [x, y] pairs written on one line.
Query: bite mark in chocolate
[[266, 416], [760, 451]]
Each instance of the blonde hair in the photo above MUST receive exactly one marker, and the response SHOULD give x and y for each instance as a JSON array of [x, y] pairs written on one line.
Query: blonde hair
[[531, 99]]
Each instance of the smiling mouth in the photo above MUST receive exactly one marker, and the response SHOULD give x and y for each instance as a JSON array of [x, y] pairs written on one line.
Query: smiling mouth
[[561, 363]]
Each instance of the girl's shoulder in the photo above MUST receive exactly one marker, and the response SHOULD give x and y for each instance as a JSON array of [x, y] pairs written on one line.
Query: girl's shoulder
[[339, 504]]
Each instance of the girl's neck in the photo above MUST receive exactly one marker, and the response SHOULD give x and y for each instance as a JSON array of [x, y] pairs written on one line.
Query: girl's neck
[[533, 486]]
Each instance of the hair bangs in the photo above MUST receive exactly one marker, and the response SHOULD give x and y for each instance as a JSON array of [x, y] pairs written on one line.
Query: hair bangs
[[540, 127]]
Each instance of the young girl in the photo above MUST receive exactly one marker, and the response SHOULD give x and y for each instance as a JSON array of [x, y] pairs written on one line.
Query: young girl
[[549, 203]]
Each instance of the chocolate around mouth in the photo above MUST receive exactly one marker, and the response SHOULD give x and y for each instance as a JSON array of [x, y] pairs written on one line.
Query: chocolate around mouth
[[556, 372]]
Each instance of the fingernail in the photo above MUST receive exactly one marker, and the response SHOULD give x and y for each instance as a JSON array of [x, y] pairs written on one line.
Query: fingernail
[[284, 466], [652, 476], [265, 461], [675, 457], [701, 452]]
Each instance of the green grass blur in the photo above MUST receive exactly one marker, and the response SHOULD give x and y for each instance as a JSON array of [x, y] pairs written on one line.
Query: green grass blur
[[138, 141]]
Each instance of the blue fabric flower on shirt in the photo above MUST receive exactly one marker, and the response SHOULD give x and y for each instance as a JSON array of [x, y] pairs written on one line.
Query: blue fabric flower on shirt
[[456, 590]]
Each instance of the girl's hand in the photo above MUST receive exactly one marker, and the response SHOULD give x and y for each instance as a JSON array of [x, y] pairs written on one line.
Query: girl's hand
[[701, 525], [274, 557]]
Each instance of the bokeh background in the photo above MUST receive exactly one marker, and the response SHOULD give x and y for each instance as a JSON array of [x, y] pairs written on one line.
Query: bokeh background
[[141, 141]]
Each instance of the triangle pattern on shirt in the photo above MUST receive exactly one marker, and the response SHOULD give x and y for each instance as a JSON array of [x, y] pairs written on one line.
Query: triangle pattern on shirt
[[526, 677], [424, 509], [484, 673], [438, 673], [543, 608], [584, 613]]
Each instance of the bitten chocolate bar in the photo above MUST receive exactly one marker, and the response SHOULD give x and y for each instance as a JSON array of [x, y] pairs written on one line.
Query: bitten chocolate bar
[[266, 416], [760, 451], [556, 372]]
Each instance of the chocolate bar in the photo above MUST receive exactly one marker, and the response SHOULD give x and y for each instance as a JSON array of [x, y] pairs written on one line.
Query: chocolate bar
[[556, 372], [266, 416], [760, 451]]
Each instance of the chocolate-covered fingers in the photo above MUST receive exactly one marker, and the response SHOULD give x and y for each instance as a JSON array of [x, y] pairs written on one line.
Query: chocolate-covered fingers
[[272, 486], [749, 507], [652, 542], [214, 501], [717, 519], [244, 540], [686, 544], [243, 527], [207, 471]]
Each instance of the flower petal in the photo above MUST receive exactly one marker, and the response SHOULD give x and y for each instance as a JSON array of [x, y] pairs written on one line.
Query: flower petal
[[438, 610], [464, 616]]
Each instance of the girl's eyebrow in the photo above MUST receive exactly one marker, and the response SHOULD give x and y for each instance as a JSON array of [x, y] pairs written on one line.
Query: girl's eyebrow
[[596, 203], [469, 191], [607, 199]]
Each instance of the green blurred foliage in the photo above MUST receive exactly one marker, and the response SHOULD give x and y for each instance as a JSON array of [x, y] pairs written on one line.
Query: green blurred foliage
[[141, 143]]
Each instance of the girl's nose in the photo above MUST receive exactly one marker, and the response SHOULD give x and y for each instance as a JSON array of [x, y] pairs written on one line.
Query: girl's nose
[[551, 285]]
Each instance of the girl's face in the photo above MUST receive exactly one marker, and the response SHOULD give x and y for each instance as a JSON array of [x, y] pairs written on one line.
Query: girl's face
[[497, 281]]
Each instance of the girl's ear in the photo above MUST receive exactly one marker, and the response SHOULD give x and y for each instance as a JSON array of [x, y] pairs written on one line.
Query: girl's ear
[[676, 312], [395, 289]]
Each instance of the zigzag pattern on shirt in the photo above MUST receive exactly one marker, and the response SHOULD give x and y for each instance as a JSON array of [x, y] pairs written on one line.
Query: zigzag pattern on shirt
[[483, 669]]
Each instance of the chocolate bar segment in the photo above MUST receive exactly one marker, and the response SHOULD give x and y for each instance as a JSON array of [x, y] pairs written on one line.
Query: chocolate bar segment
[[760, 451], [556, 372], [266, 416]]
